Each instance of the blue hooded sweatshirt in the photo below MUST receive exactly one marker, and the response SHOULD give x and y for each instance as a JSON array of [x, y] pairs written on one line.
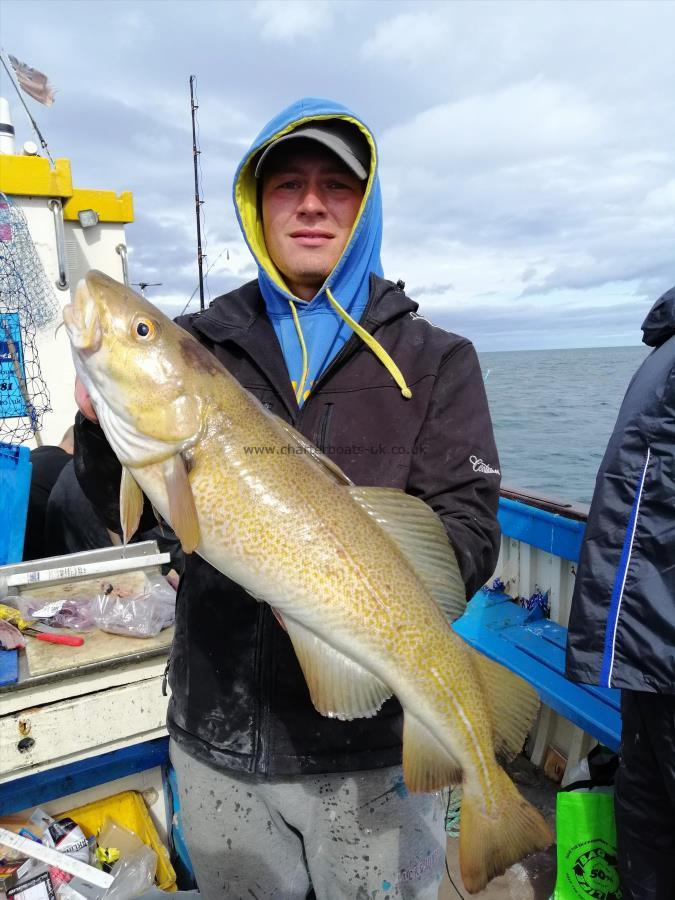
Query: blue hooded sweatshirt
[[323, 329]]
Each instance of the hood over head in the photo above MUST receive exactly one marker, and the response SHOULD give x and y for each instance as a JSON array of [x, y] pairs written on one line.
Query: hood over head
[[660, 322], [349, 279], [312, 333]]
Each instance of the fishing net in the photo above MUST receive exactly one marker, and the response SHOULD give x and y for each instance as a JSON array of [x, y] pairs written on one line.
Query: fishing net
[[27, 304]]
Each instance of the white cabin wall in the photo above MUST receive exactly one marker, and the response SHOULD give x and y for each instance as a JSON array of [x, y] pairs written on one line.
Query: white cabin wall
[[91, 248]]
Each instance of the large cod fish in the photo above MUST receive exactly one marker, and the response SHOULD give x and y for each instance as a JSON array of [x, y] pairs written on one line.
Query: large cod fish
[[364, 579]]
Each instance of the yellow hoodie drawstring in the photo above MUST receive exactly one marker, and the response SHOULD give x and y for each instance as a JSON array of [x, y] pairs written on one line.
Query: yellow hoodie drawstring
[[376, 347], [303, 347], [368, 339]]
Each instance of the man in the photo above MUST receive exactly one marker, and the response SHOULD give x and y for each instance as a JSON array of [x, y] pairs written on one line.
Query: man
[[276, 798], [622, 622]]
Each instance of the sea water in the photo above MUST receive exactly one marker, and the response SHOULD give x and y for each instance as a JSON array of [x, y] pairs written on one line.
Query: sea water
[[553, 412]]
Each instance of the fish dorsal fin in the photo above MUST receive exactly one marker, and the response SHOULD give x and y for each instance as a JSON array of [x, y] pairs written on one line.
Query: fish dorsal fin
[[182, 511], [314, 452], [339, 687], [512, 702], [427, 766], [422, 539], [131, 505]]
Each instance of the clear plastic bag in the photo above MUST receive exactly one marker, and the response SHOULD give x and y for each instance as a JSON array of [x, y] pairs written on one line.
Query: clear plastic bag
[[29, 606], [68, 612], [133, 875], [143, 615], [75, 613]]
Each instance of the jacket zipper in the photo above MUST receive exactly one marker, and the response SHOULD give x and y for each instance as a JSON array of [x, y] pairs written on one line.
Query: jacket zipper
[[350, 349], [324, 425]]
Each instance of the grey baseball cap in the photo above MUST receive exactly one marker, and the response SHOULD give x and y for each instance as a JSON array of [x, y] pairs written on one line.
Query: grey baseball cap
[[344, 139]]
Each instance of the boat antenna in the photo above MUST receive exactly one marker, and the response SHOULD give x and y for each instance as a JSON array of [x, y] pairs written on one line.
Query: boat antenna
[[198, 202], [37, 131]]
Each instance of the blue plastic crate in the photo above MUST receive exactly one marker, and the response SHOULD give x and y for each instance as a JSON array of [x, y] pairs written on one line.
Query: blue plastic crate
[[15, 472]]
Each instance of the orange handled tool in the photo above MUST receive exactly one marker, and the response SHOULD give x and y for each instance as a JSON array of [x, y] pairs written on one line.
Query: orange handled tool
[[68, 639]]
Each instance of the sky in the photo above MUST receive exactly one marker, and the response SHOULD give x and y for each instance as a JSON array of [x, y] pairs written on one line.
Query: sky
[[527, 148]]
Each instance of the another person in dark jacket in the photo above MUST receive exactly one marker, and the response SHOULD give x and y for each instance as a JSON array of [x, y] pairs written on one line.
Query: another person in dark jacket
[[73, 524], [622, 623], [277, 798], [47, 462]]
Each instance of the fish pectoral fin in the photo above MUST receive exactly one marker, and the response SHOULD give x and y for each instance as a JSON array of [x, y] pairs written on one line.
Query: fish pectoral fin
[[339, 687], [512, 702], [423, 540], [427, 765], [131, 505], [182, 510]]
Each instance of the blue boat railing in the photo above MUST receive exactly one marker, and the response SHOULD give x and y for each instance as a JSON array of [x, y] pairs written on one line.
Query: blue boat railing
[[525, 642]]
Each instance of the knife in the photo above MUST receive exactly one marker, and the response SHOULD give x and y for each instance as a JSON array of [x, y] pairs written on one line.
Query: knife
[[37, 632]]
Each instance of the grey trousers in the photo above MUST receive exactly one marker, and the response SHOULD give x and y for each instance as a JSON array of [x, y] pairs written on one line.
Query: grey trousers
[[349, 836]]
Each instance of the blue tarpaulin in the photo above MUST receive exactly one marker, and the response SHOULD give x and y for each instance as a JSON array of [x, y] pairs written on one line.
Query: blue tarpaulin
[[15, 471]]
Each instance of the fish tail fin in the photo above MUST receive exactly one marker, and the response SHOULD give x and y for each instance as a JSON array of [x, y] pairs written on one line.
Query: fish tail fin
[[489, 844]]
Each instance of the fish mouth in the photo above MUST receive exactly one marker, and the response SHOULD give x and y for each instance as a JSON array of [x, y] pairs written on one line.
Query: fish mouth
[[82, 320]]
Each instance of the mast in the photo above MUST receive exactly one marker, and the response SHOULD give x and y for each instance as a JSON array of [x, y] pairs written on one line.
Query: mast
[[198, 202]]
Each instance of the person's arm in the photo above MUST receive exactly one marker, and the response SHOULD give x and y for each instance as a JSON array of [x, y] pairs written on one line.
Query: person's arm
[[83, 401], [456, 468], [99, 472]]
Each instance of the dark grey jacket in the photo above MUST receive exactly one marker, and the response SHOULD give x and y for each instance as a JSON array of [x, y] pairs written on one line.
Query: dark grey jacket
[[239, 699], [622, 624]]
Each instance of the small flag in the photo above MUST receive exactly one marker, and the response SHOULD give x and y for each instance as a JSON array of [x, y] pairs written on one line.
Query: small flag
[[34, 83]]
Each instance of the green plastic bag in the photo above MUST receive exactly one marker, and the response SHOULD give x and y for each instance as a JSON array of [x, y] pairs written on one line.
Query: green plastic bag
[[586, 836]]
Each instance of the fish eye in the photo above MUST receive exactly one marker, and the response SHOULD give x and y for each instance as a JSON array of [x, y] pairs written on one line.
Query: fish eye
[[145, 329]]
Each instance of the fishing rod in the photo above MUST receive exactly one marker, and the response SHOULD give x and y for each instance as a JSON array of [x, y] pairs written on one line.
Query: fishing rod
[[198, 202], [224, 250]]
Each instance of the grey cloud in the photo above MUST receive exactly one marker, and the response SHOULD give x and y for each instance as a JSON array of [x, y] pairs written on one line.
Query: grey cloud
[[550, 168], [631, 257], [517, 326]]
